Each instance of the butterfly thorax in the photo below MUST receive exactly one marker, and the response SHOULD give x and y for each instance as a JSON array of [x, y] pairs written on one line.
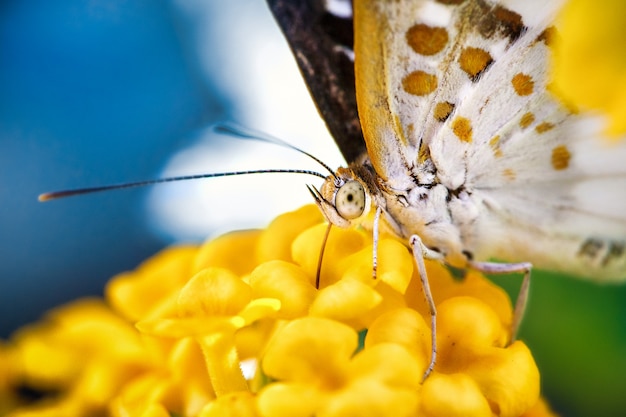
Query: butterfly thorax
[[415, 203]]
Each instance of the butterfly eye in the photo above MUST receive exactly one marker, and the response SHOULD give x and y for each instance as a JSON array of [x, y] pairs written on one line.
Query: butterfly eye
[[350, 200]]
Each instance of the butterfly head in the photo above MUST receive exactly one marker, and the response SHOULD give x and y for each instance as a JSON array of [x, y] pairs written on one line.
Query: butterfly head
[[344, 197]]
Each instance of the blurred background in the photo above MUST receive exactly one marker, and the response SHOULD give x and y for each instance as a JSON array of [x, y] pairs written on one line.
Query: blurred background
[[107, 91]]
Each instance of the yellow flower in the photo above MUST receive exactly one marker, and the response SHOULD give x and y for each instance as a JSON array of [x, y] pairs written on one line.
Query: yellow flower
[[82, 353], [179, 385], [590, 58], [10, 373], [177, 332], [312, 360]]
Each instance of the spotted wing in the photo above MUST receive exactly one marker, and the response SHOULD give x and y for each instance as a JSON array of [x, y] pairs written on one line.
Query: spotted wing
[[465, 84]]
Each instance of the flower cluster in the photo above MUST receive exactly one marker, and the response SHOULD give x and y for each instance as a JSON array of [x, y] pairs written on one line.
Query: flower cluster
[[237, 327]]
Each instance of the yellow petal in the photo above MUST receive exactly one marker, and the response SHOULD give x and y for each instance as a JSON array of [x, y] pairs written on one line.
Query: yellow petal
[[233, 251], [155, 410], [443, 286], [464, 323], [395, 265], [213, 292], [251, 339], [48, 350], [404, 326], [346, 301], [341, 243], [371, 397], [183, 361], [190, 326], [100, 381], [134, 294], [275, 241], [287, 283], [310, 349], [10, 369], [236, 404], [388, 363], [289, 400], [508, 378], [140, 394], [191, 387], [451, 396], [42, 362], [222, 362], [259, 309]]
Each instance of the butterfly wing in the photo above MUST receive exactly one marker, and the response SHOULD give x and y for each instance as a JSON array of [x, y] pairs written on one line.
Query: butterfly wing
[[466, 87], [322, 45]]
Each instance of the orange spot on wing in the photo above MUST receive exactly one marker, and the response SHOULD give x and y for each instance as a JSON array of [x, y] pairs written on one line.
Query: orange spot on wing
[[427, 40], [526, 120], [523, 84], [560, 157], [474, 61], [462, 128], [495, 145], [497, 21], [544, 127], [443, 110], [548, 36], [511, 22], [509, 174], [419, 83]]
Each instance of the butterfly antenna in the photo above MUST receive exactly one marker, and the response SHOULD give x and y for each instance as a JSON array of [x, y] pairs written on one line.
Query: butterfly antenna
[[80, 191], [243, 133]]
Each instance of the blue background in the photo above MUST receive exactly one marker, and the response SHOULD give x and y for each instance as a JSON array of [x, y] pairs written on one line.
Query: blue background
[[90, 93]]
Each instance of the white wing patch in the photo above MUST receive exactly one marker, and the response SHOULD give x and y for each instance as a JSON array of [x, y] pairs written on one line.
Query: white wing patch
[[468, 88]]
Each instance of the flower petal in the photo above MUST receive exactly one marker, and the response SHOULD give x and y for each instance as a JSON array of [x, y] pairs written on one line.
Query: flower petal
[[371, 397], [234, 251], [463, 324], [275, 242], [287, 283], [236, 404], [453, 395], [310, 349], [347, 301], [403, 326], [508, 378], [213, 292], [340, 244], [395, 265], [388, 363], [135, 294], [289, 400]]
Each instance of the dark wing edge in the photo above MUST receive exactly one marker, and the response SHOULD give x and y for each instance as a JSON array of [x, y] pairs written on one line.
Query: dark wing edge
[[319, 41]]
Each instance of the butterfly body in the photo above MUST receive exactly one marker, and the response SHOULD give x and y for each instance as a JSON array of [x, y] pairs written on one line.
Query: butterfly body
[[469, 149]]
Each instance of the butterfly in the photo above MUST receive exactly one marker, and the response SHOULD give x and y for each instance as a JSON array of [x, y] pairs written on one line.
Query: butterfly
[[454, 137]]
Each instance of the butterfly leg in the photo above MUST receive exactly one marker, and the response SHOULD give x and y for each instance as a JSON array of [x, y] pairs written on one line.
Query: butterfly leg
[[420, 251], [375, 242], [522, 298]]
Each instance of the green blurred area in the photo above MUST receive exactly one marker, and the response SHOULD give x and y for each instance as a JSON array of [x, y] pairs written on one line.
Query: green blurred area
[[577, 332]]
